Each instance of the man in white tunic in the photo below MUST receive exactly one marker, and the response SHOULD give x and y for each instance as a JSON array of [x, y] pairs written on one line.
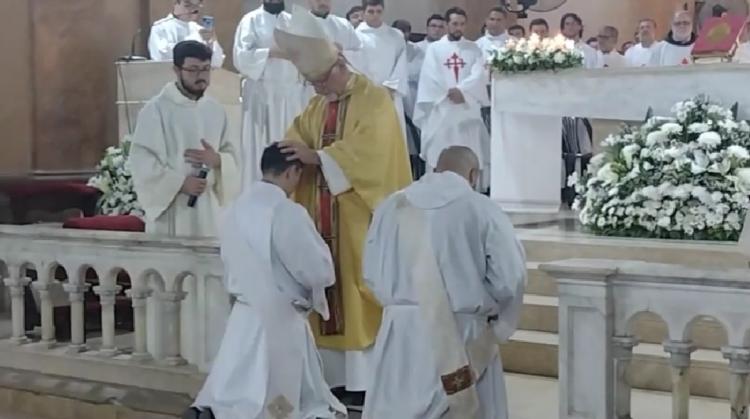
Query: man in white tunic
[[607, 56], [452, 91], [383, 57], [676, 49], [571, 26], [181, 25], [277, 267], [495, 35], [273, 94], [179, 134], [448, 301], [435, 31], [640, 54]]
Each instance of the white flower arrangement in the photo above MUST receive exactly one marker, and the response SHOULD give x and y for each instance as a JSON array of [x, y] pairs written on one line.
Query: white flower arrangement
[[535, 54], [686, 177], [116, 183]]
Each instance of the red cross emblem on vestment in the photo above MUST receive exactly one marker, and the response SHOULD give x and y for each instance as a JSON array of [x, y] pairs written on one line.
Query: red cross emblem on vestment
[[456, 63]]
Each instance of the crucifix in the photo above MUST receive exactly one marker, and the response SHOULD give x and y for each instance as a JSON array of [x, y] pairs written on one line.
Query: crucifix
[[455, 63]]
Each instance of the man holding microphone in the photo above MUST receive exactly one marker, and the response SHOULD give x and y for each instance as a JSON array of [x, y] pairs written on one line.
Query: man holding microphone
[[184, 23]]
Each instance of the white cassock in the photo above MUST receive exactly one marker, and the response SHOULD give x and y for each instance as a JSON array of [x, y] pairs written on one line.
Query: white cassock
[[612, 59], [639, 55], [414, 58], [668, 53], [383, 60], [168, 32], [478, 262], [273, 94], [589, 54], [742, 55], [450, 64], [488, 42], [169, 124], [343, 34], [277, 267]]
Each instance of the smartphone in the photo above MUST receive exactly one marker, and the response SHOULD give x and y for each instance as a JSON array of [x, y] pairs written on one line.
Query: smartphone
[[208, 22]]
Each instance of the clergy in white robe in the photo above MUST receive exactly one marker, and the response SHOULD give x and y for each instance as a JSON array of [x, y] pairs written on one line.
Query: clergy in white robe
[[676, 49], [450, 273], [177, 130], [607, 56], [495, 35], [639, 55], [383, 58], [571, 26], [182, 25], [277, 268], [435, 31], [452, 92], [273, 93]]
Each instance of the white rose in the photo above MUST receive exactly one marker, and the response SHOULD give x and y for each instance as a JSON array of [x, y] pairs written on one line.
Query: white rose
[[607, 175], [698, 128], [559, 58], [671, 128], [709, 139], [738, 152], [518, 59], [744, 177], [627, 153], [664, 222], [655, 137]]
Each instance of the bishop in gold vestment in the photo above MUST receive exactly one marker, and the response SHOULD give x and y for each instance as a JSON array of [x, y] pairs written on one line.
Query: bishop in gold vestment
[[350, 138]]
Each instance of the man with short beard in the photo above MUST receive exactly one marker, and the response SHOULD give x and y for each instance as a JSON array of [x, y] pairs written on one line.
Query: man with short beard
[[180, 136], [676, 49], [452, 91], [273, 93], [640, 54]]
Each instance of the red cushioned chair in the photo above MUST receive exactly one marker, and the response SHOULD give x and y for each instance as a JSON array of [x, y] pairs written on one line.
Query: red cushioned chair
[[107, 222], [48, 195]]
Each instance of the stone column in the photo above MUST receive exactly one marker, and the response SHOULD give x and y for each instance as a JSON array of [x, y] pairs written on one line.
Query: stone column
[[623, 354], [739, 368], [139, 297], [76, 293], [107, 300], [679, 353], [47, 314], [17, 287], [170, 302]]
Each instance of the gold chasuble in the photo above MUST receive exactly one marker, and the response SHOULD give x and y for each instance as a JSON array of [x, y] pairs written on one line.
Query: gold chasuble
[[361, 132]]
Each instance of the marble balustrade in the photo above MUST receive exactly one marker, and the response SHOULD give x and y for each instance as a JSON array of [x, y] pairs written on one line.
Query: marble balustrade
[[599, 300], [178, 299]]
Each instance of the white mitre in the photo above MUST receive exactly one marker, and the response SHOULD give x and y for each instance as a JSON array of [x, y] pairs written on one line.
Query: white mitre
[[306, 44]]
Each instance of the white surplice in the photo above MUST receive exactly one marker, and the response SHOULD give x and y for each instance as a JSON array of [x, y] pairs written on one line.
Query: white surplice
[[488, 42], [277, 267], [450, 64], [589, 54], [612, 59], [639, 55], [383, 60], [482, 267], [273, 93], [669, 54], [414, 58], [168, 32], [169, 124]]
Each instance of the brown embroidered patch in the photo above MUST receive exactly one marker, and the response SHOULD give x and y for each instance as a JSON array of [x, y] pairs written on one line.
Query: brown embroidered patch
[[280, 408], [457, 381]]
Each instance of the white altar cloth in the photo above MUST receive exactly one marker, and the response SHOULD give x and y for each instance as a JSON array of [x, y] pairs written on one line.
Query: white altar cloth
[[527, 111]]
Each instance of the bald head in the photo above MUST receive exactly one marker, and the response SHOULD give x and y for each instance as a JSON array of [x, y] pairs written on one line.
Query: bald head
[[461, 161]]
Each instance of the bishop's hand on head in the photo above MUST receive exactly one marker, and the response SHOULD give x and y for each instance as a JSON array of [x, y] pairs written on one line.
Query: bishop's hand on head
[[296, 150]]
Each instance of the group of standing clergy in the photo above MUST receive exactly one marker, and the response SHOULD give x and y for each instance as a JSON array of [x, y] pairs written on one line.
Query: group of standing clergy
[[343, 273]]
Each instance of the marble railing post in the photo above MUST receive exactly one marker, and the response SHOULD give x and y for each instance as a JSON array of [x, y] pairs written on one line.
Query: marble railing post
[[170, 302], [76, 294], [107, 297], [679, 360], [47, 313], [17, 287], [739, 368], [623, 354], [139, 298]]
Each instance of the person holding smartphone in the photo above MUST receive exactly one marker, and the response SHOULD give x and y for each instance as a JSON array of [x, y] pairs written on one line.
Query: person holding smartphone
[[185, 23]]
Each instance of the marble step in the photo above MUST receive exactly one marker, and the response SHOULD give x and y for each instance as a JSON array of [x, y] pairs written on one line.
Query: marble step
[[539, 313], [535, 353]]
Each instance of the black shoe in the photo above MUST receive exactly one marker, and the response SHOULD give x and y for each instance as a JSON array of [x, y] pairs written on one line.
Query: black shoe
[[195, 413]]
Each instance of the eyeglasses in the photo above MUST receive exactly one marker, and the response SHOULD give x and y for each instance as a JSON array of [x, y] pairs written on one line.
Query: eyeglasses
[[683, 23], [196, 71]]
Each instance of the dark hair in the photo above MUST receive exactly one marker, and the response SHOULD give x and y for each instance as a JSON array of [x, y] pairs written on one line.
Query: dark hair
[[647, 19], [190, 49], [538, 21], [373, 3], [353, 10], [402, 25], [516, 28], [274, 162], [454, 11], [500, 10], [567, 16], [435, 17]]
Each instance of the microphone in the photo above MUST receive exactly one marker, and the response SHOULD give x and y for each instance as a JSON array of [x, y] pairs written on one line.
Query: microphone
[[202, 174]]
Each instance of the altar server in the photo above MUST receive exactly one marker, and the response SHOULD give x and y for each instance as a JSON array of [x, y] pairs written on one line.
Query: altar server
[[273, 93], [277, 267], [452, 91], [676, 49], [448, 299], [182, 25]]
